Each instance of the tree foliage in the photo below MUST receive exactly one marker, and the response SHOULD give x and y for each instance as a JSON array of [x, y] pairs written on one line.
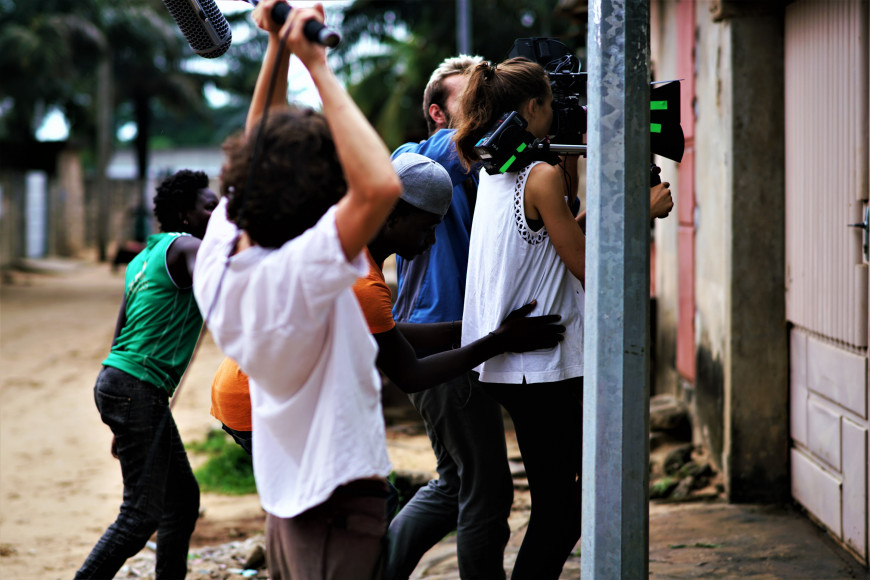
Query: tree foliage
[[412, 37], [50, 50], [49, 55], [47, 52]]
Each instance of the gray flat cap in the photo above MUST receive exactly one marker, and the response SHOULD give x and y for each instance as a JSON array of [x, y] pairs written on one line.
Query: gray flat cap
[[425, 184]]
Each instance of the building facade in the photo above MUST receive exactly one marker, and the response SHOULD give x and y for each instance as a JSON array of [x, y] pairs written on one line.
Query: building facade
[[762, 279]]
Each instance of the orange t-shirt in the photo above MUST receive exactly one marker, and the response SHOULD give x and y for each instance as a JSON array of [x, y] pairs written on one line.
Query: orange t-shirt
[[375, 298], [230, 397]]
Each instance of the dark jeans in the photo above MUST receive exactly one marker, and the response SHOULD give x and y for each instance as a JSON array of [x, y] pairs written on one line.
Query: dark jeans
[[474, 489], [242, 438], [160, 492], [547, 419]]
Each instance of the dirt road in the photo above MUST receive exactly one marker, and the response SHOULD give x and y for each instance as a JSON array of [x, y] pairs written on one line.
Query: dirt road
[[59, 486]]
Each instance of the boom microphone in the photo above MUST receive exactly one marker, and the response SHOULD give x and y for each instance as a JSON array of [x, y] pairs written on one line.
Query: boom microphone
[[202, 24], [314, 30]]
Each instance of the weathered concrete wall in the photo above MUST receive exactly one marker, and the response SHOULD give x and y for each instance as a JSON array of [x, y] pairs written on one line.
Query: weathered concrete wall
[[12, 187], [739, 399], [757, 428], [72, 198], [713, 170], [124, 198], [67, 217]]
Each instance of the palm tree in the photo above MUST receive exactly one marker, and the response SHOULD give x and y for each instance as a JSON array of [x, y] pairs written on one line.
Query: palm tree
[[147, 56], [87, 58], [46, 58]]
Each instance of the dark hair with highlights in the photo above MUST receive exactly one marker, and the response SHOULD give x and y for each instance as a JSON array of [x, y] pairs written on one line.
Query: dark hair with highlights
[[491, 92], [297, 178], [175, 195]]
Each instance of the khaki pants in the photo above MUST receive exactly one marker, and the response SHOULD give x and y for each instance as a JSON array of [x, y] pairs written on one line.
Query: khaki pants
[[342, 538]]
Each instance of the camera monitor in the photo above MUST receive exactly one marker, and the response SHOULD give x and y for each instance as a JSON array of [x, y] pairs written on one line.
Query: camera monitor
[[508, 146]]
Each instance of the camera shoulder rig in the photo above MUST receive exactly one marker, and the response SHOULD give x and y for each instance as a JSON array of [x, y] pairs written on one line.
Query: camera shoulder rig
[[509, 147]]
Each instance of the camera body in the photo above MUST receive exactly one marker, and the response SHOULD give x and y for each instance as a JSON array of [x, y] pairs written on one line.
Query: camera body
[[567, 83], [508, 146], [505, 148], [505, 142]]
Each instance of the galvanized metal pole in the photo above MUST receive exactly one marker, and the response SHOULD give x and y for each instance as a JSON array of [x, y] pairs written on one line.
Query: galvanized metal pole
[[615, 540], [463, 26]]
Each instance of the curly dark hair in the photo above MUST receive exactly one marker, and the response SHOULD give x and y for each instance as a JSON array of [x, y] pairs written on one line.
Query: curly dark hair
[[298, 177], [177, 194]]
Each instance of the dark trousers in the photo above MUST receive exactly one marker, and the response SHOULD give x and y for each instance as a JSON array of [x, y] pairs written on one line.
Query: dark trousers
[[547, 419], [244, 439], [340, 539], [160, 491], [474, 489]]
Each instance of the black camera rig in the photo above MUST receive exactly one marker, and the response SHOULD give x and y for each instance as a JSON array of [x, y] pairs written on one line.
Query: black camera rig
[[509, 147]]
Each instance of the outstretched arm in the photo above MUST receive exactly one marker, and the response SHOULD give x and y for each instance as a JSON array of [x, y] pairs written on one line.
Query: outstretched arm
[[262, 99], [518, 333], [432, 337], [373, 186]]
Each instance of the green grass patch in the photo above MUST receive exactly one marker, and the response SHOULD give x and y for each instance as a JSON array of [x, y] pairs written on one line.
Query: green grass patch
[[663, 486], [228, 469]]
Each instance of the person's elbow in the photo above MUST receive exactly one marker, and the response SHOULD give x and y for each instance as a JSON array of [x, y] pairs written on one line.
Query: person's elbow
[[405, 376], [409, 385], [578, 270], [385, 190], [376, 200]]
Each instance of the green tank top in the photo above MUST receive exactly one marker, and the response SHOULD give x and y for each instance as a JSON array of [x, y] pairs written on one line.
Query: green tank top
[[163, 321]]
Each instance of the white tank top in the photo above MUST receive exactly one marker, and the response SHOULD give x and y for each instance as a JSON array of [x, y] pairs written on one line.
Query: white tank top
[[510, 265]]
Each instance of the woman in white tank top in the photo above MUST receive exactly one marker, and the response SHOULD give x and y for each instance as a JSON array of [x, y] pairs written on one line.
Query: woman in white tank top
[[527, 245]]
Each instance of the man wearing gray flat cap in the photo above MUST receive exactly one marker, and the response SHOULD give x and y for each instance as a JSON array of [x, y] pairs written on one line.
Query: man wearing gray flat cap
[[408, 231], [426, 195], [425, 183]]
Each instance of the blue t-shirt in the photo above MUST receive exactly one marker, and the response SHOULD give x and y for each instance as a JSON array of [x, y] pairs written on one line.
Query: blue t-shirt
[[432, 285]]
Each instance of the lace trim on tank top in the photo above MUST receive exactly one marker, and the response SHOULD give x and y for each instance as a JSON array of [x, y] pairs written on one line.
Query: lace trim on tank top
[[530, 236]]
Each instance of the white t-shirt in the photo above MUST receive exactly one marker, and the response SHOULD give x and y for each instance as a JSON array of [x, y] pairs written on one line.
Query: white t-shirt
[[289, 318], [509, 265]]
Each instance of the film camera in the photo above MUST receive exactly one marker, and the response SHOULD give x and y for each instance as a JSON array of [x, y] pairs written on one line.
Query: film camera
[[509, 147]]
